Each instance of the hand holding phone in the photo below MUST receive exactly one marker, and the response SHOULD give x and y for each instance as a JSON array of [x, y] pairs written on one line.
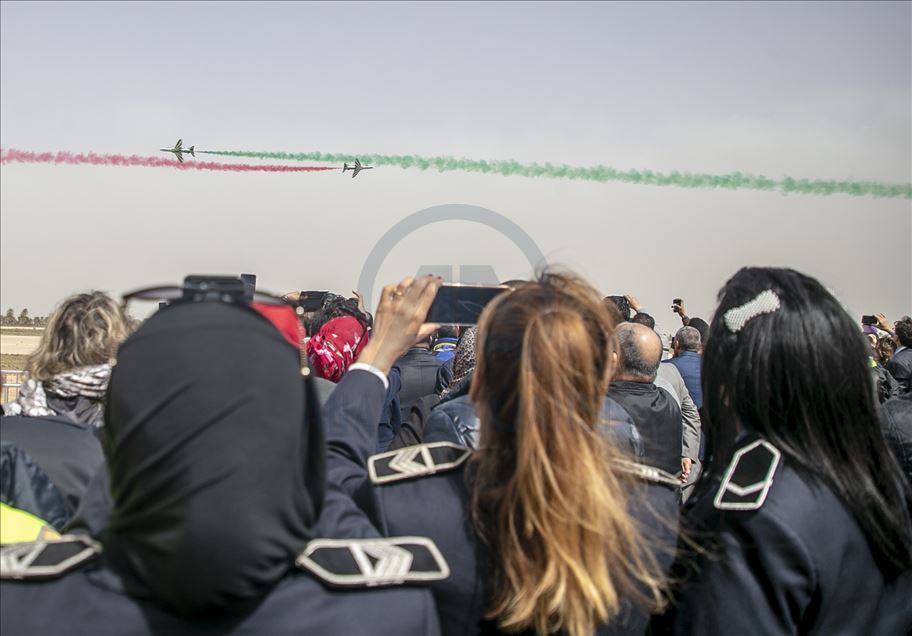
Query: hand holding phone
[[401, 321]]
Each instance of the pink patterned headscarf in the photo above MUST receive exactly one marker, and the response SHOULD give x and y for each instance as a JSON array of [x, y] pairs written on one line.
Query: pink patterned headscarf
[[336, 346]]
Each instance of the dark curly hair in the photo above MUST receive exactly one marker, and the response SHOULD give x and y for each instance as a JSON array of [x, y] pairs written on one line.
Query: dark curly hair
[[904, 331]]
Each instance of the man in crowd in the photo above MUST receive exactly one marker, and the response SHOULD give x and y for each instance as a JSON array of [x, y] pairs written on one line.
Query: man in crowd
[[900, 365], [687, 345], [653, 410]]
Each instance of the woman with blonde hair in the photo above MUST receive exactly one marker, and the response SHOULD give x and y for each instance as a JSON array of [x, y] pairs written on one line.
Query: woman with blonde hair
[[68, 373], [541, 529], [60, 406]]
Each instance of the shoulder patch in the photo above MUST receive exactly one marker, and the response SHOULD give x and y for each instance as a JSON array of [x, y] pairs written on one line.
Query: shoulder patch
[[648, 473], [46, 559], [374, 562], [416, 461], [749, 477]]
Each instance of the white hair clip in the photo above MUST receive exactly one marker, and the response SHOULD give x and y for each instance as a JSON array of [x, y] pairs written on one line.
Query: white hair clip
[[765, 303]]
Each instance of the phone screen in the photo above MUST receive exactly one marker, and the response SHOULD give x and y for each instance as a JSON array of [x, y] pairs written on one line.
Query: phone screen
[[462, 304]]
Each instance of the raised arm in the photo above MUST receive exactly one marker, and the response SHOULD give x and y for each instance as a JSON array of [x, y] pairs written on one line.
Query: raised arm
[[355, 407]]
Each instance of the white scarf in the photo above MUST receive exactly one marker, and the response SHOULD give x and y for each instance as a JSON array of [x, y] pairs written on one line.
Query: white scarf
[[87, 382]]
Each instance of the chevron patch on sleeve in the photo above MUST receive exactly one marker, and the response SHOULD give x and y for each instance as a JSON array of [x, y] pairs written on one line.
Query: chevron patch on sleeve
[[374, 562], [46, 559], [749, 476], [416, 461]]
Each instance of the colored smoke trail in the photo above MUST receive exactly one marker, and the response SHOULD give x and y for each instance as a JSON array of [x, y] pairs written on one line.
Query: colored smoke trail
[[602, 174], [74, 159]]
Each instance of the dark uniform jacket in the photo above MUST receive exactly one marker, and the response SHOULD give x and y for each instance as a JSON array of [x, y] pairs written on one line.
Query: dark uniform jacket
[[99, 596], [24, 486], [67, 451], [787, 557], [421, 490]]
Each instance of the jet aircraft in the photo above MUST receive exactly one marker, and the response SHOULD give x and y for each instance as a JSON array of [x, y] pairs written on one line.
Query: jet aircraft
[[178, 151], [356, 168]]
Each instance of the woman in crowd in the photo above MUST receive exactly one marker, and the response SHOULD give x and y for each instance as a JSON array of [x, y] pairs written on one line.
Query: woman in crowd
[[68, 373], [216, 468], [537, 524], [59, 410], [803, 514]]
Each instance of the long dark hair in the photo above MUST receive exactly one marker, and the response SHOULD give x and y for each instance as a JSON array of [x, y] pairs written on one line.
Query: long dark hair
[[799, 377]]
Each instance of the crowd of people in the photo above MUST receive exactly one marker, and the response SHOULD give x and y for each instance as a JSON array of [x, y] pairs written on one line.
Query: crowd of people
[[246, 464]]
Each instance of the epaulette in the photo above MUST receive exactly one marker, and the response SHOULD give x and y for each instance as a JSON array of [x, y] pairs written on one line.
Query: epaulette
[[416, 461], [747, 480], [373, 562], [648, 473], [45, 559]]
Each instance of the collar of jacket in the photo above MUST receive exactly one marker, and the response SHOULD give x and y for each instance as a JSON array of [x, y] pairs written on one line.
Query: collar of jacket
[[628, 386]]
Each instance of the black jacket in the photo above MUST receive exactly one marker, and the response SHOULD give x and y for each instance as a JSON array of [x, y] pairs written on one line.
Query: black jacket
[[418, 370], [23, 485], [900, 367], [657, 418], [785, 558], [897, 423], [886, 385], [67, 451], [436, 506], [444, 376]]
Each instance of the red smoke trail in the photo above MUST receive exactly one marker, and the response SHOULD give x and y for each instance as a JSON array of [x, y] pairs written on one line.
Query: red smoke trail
[[69, 158]]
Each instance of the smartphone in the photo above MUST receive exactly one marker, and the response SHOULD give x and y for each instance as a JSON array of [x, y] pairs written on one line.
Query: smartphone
[[677, 301], [312, 300], [458, 304], [869, 320]]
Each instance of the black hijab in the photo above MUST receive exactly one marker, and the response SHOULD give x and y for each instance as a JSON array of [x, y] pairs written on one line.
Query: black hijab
[[216, 478]]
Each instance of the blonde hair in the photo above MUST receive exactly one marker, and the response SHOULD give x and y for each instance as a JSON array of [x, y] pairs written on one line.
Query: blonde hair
[[84, 330], [545, 498]]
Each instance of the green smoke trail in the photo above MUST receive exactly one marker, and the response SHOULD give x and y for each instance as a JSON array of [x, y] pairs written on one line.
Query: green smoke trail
[[601, 174]]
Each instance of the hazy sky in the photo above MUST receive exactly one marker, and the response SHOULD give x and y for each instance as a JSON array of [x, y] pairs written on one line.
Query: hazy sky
[[818, 90]]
